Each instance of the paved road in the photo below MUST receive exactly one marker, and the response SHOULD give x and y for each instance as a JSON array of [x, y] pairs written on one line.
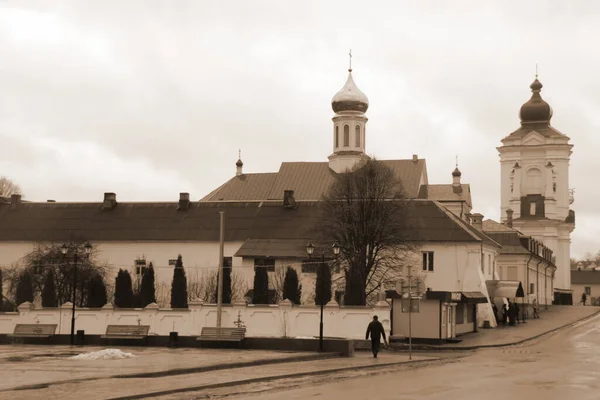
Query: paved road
[[563, 365]]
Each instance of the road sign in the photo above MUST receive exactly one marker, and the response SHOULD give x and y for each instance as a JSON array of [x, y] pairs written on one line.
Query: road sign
[[410, 305]]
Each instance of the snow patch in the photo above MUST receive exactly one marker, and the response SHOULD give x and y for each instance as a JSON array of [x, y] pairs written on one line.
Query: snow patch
[[107, 354]]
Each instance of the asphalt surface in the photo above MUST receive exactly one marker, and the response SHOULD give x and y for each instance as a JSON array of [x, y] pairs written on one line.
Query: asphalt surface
[[565, 364]]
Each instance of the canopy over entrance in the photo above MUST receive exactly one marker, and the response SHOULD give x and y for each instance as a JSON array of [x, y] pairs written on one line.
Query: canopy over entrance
[[505, 289]]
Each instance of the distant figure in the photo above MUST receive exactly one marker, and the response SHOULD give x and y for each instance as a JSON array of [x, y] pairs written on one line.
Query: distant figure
[[536, 310], [495, 309], [504, 314], [375, 329], [583, 298], [517, 309], [511, 314]]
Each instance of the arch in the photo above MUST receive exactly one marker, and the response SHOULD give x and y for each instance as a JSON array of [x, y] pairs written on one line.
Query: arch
[[337, 136], [346, 136], [534, 183], [357, 135]]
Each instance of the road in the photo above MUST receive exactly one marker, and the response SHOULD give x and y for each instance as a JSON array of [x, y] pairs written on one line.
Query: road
[[563, 365]]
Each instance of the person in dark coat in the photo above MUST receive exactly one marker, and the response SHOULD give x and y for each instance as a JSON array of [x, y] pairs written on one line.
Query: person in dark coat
[[375, 329], [504, 314], [495, 309]]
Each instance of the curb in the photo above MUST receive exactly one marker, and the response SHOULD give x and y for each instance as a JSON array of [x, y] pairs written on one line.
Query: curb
[[268, 378], [496, 345]]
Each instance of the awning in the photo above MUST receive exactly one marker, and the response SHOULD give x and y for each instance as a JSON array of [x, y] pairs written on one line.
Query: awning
[[505, 289], [276, 248], [473, 297]]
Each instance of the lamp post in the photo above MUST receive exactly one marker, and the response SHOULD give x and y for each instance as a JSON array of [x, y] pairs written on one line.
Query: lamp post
[[64, 249], [310, 248]]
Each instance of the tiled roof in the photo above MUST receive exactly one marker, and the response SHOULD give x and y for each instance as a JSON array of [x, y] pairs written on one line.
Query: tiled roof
[[56, 222], [444, 193], [543, 129], [490, 225], [309, 181], [481, 236], [583, 277], [507, 237]]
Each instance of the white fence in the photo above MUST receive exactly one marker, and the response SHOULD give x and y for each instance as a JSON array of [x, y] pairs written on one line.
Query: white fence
[[278, 320]]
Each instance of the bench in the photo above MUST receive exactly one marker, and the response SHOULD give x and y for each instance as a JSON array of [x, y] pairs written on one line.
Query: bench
[[34, 330], [213, 334], [126, 332]]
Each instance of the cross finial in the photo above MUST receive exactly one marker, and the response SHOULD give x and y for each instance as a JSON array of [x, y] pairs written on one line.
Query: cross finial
[[350, 65], [240, 154], [457, 161], [536, 70]]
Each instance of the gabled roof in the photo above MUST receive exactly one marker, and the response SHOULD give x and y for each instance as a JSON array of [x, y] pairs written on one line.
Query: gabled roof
[[476, 233], [309, 181], [59, 222], [490, 225], [446, 193], [585, 277]]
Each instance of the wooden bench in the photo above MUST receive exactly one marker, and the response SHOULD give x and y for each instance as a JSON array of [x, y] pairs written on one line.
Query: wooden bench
[[34, 330], [126, 332], [214, 334]]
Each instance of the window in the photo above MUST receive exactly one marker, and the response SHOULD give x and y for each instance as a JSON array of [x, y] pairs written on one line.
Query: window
[[531, 288], [357, 134], [268, 263], [531, 208], [346, 136], [140, 266], [489, 264], [588, 291], [337, 136], [470, 313], [460, 313], [227, 262], [309, 266], [428, 261]]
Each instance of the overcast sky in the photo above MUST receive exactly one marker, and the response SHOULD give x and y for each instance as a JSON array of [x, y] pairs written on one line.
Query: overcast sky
[[150, 98]]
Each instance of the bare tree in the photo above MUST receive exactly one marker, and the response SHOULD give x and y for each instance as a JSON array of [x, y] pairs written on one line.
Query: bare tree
[[276, 280], [366, 212], [239, 286], [8, 187]]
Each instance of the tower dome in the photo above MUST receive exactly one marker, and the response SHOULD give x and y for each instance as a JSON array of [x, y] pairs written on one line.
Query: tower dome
[[350, 98], [456, 172], [536, 110]]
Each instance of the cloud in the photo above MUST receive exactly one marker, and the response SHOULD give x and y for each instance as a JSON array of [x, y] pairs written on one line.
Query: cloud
[[157, 97]]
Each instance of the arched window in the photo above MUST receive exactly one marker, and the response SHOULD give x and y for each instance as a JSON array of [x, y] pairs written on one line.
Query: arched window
[[346, 136], [357, 135], [533, 181], [337, 136]]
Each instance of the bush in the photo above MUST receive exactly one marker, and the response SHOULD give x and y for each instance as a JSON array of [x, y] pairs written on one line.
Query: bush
[[179, 286], [96, 290], [355, 291], [226, 286], [147, 291], [260, 294], [123, 290], [292, 290], [24, 289], [323, 284], [49, 291]]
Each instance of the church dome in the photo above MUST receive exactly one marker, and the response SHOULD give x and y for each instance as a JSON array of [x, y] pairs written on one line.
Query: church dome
[[350, 98], [536, 109], [456, 172]]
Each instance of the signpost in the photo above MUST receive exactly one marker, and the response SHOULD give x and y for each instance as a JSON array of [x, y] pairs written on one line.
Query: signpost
[[410, 304]]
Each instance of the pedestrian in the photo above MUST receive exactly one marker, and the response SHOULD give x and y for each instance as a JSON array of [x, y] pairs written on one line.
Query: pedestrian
[[375, 329], [583, 298], [536, 310], [517, 309], [504, 314], [511, 314], [495, 309]]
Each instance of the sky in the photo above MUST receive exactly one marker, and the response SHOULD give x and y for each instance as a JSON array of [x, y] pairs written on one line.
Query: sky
[[151, 98]]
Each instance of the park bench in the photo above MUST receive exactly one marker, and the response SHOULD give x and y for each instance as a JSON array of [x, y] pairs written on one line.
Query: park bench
[[126, 332], [214, 334], [34, 330]]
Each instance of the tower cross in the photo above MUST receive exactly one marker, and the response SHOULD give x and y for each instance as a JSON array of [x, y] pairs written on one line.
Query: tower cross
[[536, 70], [240, 154], [457, 161], [350, 64]]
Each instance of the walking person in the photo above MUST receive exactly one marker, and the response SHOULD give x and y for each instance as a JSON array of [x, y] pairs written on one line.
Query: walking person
[[504, 314], [583, 298], [375, 329], [536, 310]]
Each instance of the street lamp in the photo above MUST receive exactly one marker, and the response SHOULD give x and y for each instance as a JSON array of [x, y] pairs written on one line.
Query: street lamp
[[64, 249], [310, 249]]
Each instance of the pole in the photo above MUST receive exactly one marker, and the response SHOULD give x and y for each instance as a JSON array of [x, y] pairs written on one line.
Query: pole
[[74, 297], [409, 314], [220, 283], [322, 301]]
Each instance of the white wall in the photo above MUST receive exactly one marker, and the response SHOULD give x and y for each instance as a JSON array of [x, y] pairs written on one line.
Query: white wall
[[283, 320]]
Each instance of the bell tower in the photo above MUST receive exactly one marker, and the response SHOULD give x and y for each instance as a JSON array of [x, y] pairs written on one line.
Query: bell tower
[[534, 162], [349, 125]]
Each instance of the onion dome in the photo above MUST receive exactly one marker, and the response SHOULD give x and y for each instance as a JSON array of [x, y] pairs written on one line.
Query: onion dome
[[456, 172], [350, 98], [536, 110], [239, 163]]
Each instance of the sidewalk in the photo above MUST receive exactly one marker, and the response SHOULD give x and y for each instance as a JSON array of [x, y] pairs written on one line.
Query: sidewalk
[[554, 318]]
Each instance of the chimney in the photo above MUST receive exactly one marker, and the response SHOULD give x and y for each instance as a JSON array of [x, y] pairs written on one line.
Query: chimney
[[110, 201], [15, 200], [415, 158], [184, 201], [477, 221], [468, 217], [288, 199], [238, 167], [509, 217]]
